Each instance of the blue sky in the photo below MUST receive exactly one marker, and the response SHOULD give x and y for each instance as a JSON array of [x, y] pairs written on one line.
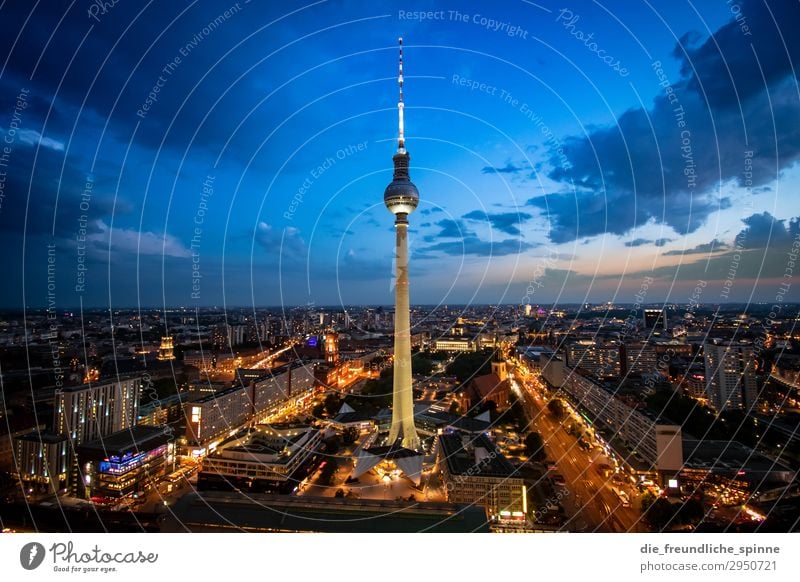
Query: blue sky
[[544, 139]]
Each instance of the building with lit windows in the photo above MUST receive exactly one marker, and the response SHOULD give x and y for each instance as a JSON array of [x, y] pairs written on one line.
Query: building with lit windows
[[264, 458], [258, 394], [452, 344], [91, 411], [647, 435], [730, 375], [655, 319], [332, 348], [125, 463], [42, 462], [475, 472], [599, 359], [166, 349], [217, 415]]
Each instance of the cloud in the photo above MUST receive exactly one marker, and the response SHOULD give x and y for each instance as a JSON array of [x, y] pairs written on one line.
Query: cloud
[[637, 242], [33, 137], [710, 247], [449, 228], [286, 242], [509, 168], [430, 210], [472, 245], [649, 168], [764, 230], [133, 241], [506, 222]]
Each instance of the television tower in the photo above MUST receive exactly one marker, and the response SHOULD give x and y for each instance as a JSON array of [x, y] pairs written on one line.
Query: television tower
[[401, 198]]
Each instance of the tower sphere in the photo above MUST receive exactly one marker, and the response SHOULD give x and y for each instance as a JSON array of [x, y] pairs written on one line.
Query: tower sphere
[[401, 195]]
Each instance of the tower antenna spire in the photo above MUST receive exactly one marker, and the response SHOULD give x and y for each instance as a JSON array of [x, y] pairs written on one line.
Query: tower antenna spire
[[401, 140]]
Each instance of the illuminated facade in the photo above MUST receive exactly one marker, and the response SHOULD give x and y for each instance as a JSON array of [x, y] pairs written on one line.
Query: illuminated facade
[[401, 198], [268, 457], [165, 350], [221, 413], [130, 461], [730, 375], [90, 411], [475, 472], [42, 461]]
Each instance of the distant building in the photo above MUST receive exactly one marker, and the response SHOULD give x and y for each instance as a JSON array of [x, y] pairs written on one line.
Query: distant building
[[641, 358], [454, 344], [597, 358], [655, 319], [730, 375], [475, 472], [203, 360], [332, 348], [165, 350]]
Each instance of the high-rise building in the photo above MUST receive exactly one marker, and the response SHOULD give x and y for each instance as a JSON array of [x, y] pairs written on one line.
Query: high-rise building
[[401, 198], [730, 375], [90, 411], [600, 359], [655, 319]]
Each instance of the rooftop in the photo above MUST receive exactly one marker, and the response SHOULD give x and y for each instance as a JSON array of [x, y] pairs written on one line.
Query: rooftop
[[215, 511], [474, 455], [133, 440]]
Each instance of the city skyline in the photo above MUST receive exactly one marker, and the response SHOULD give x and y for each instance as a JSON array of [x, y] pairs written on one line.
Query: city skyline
[[238, 158]]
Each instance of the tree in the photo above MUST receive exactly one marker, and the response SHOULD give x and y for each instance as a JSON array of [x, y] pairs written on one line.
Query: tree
[[556, 408], [467, 365], [328, 470], [454, 408], [534, 446], [421, 365], [318, 410], [332, 404], [350, 435], [660, 513], [691, 511], [646, 500]]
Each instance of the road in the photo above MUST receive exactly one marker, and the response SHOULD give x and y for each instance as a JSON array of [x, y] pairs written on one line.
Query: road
[[590, 499]]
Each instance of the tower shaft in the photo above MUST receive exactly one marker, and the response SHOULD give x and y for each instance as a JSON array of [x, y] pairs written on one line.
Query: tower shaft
[[402, 396]]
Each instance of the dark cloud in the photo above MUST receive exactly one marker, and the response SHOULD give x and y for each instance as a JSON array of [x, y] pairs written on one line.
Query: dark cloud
[[285, 242], [764, 230], [638, 242], [509, 168], [430, 210], [506, 222], [449, 228], [472, 245], [468, 243], [647, 167], [705, 248]]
